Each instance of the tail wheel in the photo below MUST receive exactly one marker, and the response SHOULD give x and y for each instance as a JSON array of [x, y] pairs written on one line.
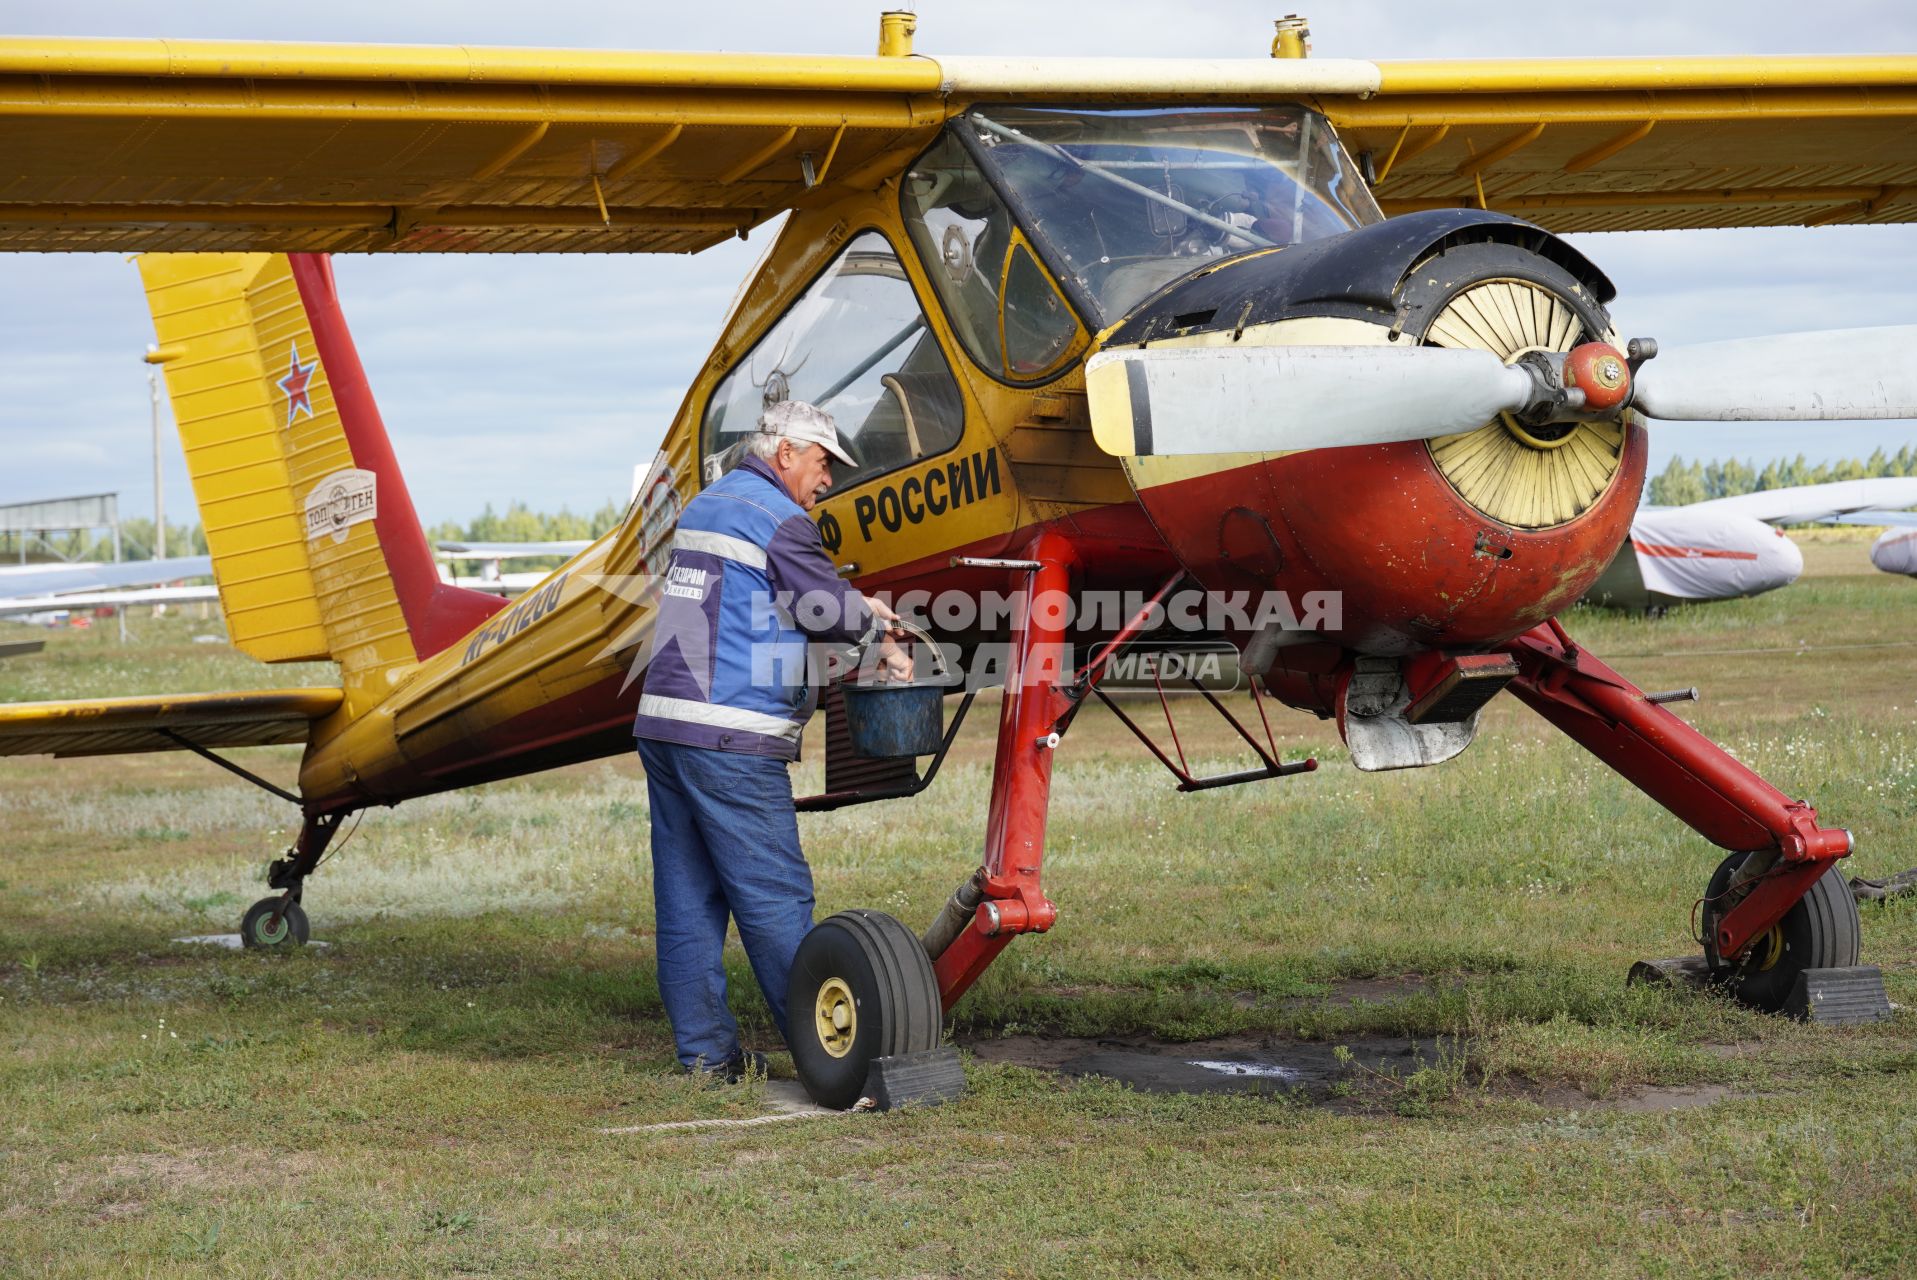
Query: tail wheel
[[273, 924], [861, 988], [1819, 932]]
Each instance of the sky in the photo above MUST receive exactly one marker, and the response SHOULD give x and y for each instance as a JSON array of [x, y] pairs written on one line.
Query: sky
[[544, 379]]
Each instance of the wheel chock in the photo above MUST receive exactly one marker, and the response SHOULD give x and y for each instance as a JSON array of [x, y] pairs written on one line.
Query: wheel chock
[[1839, 997], [1691, 971], [922, 1079]]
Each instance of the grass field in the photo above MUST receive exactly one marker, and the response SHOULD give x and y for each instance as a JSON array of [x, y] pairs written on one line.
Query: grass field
[[424, 1096]]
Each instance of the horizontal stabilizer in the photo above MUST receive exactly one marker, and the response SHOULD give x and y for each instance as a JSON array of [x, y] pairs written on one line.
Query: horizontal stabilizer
[[167, 722]]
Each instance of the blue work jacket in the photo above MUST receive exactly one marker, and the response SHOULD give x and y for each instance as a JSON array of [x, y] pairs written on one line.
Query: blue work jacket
[[747, 585]]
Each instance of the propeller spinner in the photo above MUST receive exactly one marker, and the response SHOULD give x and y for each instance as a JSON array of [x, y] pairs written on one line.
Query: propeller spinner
[[1152, 401]]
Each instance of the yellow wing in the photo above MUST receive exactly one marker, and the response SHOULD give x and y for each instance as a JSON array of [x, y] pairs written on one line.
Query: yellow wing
[[118, 726], [180, 145], [1642, 144], [155, 144]]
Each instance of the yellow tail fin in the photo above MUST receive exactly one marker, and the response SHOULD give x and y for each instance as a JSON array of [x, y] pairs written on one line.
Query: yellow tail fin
[[316, 546]]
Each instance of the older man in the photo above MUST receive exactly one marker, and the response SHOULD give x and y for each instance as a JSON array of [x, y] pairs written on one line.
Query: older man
[[727, 692]]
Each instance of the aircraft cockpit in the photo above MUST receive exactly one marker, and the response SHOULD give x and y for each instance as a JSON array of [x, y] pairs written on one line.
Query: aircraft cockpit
[[1118, 203], [1110, 204]]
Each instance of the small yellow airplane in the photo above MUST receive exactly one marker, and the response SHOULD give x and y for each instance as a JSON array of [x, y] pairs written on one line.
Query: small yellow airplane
[[1273, 324]]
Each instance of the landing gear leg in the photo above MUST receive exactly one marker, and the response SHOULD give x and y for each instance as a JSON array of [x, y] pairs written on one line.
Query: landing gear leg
[[867, 999], [1776, 887], [278, 922], [1036, 707]]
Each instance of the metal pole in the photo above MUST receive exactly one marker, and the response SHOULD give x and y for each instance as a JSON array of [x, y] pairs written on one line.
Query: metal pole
[[119, 614], [159, 484]]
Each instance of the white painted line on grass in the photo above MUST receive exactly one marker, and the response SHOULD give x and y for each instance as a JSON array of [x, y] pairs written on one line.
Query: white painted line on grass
[[231, 941], [747, 1122], [787, 1098]]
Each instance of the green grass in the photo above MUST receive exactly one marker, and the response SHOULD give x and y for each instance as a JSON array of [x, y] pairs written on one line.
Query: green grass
[[424, 1096]]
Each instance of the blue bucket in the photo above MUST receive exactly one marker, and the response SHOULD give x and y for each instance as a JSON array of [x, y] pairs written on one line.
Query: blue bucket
[[887, 721]]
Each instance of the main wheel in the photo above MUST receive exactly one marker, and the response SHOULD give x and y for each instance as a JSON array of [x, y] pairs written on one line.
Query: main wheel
[[1820, 931], [273, 924], [861, 988]]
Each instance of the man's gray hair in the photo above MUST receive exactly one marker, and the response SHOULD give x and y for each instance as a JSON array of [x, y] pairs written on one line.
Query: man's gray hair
[[765, 446]]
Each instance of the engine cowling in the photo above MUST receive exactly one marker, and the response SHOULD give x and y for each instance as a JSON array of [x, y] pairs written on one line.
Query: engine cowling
[[1458, 542]]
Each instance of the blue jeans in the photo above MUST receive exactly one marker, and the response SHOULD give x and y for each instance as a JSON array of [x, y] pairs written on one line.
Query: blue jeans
[[725, 842]]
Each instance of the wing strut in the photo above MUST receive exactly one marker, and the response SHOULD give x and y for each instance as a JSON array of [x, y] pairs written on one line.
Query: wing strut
[[227, 765]]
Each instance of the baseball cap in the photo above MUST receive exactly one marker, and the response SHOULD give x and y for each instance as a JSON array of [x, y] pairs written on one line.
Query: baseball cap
[[797, 420]]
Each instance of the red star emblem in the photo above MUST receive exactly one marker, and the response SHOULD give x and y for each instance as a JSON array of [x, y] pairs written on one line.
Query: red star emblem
[[297, 384]]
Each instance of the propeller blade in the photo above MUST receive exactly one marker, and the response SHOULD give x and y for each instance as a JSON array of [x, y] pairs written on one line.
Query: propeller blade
[[1184, 400], [1790, 377]]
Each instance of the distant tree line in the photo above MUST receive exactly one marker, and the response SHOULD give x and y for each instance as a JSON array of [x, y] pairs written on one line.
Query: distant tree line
[[1684, 482], [520, 523]]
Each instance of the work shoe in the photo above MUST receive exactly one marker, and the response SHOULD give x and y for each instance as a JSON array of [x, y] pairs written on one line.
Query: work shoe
[[747, 1065]]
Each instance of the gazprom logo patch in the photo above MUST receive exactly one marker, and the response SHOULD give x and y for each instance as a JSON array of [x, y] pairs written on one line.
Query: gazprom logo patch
[[339, 502], [687, 583]]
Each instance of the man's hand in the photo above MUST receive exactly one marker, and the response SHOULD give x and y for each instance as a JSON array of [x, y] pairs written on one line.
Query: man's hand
[[894, 662], [885, 613]]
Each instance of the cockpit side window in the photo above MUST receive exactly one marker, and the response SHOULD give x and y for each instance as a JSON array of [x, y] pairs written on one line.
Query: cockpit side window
[[1006, 311], [857, 344], [1037, 328]]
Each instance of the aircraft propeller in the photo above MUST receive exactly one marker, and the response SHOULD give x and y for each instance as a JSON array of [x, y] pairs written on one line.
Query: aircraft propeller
[[1186, 400]]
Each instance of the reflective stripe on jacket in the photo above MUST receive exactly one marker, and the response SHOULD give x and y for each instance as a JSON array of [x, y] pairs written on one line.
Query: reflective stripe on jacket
[[727, 666]]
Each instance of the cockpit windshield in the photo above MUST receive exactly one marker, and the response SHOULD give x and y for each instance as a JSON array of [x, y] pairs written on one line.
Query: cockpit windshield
[[1123, 202]]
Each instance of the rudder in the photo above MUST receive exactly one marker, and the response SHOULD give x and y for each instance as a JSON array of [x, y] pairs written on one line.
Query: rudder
[[316, 547]]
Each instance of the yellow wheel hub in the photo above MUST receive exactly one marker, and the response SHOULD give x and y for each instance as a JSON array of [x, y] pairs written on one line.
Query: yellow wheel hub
[[1769, 949], [837, 1017]]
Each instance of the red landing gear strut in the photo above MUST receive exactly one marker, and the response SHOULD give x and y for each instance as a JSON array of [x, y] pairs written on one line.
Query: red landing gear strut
[[1010, 900], [1688, 774]]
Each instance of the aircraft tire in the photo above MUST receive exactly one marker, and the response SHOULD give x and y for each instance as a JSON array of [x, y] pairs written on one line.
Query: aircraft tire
[[1821, 931], [861, 988], [272, 924]]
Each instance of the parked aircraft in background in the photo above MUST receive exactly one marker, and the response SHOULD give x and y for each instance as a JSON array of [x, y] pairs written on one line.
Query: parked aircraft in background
[[1895, 551], [56, 589], [1731, 547], [490, 554], [58, 579], [53, 606]]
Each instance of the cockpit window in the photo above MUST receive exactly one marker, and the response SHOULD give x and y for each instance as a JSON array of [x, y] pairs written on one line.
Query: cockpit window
[[856, 344], [1007, 314], [1122, 203]]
